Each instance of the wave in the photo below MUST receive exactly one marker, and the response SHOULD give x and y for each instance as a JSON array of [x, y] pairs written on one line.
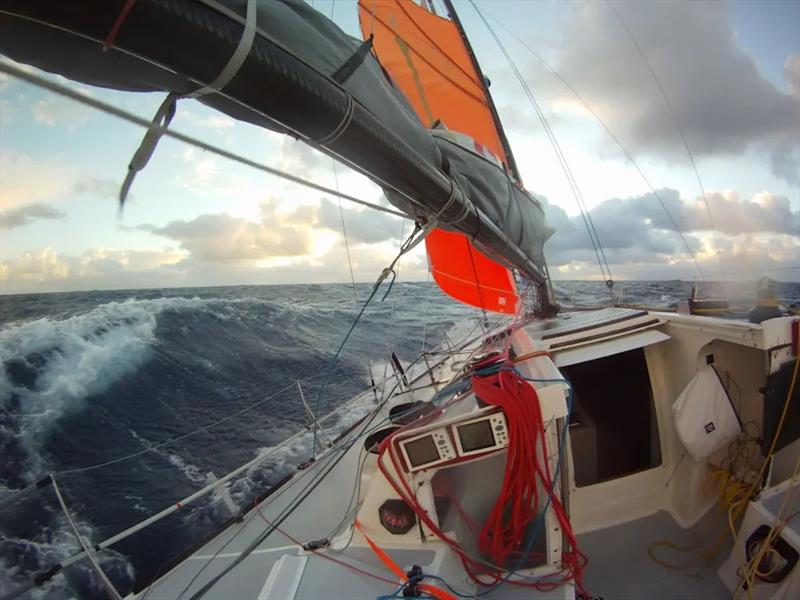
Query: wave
[[101, 375]]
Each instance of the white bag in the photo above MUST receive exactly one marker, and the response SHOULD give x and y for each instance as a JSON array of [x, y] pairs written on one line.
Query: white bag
[[704, 415]]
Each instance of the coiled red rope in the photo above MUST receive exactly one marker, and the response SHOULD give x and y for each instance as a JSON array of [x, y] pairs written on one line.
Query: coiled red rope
[[517, 505]]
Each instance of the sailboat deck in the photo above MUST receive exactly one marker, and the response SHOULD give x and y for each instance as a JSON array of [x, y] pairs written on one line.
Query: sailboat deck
[[620, 566]]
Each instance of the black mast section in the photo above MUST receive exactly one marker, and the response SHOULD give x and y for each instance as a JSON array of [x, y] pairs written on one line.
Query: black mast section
[[512, 164]]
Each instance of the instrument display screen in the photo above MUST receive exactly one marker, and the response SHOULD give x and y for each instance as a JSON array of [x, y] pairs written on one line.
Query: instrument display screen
[[421, 451], [476, 436]]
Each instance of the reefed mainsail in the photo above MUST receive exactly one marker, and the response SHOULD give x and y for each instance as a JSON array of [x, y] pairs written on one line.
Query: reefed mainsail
[[303, 76]]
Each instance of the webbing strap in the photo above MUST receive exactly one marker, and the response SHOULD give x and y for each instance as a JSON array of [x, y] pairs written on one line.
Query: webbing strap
[[394, 568], [167, 109]]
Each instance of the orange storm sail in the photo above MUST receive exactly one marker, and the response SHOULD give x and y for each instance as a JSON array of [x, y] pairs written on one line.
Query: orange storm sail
[[427, 59]]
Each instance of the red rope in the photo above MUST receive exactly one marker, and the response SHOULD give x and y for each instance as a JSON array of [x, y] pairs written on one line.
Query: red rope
[[526, 469], [123, 14]]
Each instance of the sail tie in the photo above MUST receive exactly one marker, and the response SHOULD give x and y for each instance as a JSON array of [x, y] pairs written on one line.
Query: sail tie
[[337, 131], [464, 211], [166, 112]]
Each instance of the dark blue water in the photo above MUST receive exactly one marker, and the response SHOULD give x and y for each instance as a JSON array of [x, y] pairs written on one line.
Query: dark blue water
[[93, 376]]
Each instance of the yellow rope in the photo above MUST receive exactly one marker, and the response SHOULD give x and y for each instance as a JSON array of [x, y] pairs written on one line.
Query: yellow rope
[[734, 492], [752, 567]]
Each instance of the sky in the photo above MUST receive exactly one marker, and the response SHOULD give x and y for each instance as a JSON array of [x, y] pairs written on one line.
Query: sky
[[730, 72]]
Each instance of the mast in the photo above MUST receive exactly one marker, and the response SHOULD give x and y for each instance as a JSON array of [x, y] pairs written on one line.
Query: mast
[[512, 164]]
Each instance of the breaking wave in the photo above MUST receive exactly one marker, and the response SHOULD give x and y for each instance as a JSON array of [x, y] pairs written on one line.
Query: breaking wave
[[88, 378]]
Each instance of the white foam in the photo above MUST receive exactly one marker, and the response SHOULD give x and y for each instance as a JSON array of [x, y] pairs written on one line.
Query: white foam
[[80, 355], [52, 545]]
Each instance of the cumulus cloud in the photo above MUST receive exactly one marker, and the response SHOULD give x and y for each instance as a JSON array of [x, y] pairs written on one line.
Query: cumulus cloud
[[97, 186], [721, 100], [638, 231], [49, 270], [222, 237], [23, 215], [365, 226], [35, 267]]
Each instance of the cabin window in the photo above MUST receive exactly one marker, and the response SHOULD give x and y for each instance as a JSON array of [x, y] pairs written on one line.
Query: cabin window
[[613, 426]]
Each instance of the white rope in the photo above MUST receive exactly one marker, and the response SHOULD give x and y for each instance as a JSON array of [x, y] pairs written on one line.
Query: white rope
[[63, 90], [88, 552]]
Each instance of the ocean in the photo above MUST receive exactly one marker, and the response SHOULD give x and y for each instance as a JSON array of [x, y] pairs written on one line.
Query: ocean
[[94, 383]]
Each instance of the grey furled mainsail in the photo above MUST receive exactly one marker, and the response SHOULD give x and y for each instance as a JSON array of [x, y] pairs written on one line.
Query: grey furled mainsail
[[302, 76]]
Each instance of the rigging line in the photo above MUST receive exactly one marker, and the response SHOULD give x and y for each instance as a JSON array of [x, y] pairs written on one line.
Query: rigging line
[[587, 218], [407, 246], [110, 589], [388, 332], [102, 106], [248, 550], [347, 245], [608, 130], [680, 132]]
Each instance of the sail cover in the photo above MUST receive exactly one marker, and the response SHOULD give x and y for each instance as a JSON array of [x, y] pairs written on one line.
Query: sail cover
[[428, 61], [303, 76]]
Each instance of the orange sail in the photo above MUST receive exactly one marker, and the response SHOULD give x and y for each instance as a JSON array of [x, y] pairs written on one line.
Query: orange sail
[[427, 60]]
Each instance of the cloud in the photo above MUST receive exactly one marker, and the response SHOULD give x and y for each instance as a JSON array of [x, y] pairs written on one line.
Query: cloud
[[637, 231], [97, 186], [791, 73], [222, 237], [301, 159], [56, 111], [365, 226], [24, 180], [17, 217], [35, 267], [48, 270], [721, 100]]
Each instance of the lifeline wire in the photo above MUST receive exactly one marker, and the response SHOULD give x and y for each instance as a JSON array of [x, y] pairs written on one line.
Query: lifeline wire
[[63, 90]]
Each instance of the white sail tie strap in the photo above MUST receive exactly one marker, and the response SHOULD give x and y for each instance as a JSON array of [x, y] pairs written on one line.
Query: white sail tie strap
[[166, 111], [337, 131]]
